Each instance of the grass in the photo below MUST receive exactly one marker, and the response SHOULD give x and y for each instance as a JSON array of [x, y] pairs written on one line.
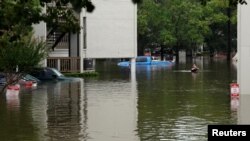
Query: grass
[[84, 74]]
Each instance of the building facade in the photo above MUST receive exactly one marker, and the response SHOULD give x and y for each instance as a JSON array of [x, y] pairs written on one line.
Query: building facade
[[110, 31]]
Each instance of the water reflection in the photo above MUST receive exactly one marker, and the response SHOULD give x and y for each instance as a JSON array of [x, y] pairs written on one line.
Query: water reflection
[[234, 104], [12, 98], [154, 103], [112, 113], [243, 110], [15, 117], [63, 111], [86, 111]]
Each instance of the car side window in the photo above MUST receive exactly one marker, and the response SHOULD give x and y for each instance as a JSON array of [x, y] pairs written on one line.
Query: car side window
[[49, 73], [141, 59]]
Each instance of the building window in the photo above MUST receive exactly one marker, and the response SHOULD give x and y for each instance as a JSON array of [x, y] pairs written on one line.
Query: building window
[[84, 33]]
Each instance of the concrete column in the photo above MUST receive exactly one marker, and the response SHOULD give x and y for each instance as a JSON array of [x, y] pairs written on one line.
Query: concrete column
[[74, 45], [243, 45], [135, 30], [132, 67], [81, 42], [58, 64]]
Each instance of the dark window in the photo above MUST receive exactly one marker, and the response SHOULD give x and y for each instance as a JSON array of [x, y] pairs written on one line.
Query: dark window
[[141, 59], [84, 33]]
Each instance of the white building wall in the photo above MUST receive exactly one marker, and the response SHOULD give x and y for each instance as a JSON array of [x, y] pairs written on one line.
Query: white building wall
[[59, 53], [244, 47], [243, 60], [74, 45], [112, 29], [40, 32]]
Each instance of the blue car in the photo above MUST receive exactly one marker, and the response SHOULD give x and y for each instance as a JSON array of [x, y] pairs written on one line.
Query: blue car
[[146, 60]]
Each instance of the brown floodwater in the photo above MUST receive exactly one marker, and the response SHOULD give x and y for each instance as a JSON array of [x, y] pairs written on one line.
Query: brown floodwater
[[153, 104]]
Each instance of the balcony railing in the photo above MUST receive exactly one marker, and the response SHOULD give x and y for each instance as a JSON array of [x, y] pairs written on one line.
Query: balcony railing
[[64, 64]]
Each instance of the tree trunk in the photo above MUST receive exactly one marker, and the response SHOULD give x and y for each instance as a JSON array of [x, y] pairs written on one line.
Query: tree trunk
[[177, 52], [162, 52]]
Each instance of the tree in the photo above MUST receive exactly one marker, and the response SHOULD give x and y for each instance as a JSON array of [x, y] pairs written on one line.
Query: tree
[[148, 21], [175, 23], [19, 57], [224, 25], [29, 12], [186, 24], [17, 46]]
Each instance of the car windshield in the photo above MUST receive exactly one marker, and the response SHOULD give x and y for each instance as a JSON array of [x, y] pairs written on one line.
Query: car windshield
[[141, 59], [57, 72], [30, 77]]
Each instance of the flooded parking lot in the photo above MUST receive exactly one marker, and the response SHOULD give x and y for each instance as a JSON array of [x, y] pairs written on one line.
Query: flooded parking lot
[[155, 103]]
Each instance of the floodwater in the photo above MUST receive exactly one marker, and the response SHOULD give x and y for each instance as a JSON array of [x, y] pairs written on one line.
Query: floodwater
[[153, 104]]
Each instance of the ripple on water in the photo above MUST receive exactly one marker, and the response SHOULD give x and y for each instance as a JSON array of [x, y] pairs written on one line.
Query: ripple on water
[[183, 128]]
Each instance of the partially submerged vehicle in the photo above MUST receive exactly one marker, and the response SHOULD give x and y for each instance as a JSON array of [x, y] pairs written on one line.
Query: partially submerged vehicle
[[47, 73], [146, 60], [27, 80]]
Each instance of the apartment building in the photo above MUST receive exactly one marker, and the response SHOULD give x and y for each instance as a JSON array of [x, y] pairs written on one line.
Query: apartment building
[[110, 31]]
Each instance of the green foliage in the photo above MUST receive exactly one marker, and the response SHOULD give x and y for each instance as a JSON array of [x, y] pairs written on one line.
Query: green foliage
[[17, 17], [185, 23], [150, 22], [19, 56], [24, 53], [217, 14], [28, 12], [172, 22]]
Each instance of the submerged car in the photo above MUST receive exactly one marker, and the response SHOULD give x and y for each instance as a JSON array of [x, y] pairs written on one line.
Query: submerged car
[[146, 60], [25, 80], [47, 73]]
